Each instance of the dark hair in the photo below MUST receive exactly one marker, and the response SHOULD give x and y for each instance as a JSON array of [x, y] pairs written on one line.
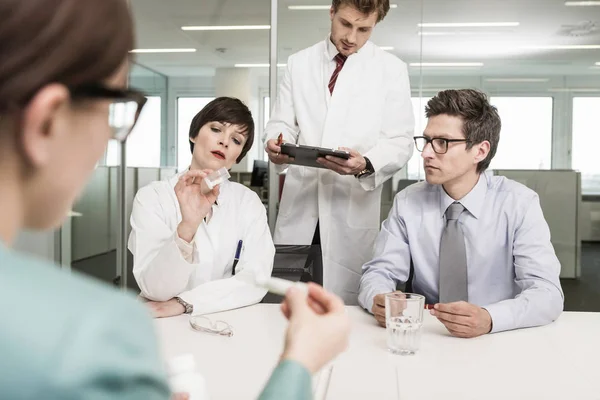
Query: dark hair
[[72, 42], [366, 7], [225, 110], [481, 121]]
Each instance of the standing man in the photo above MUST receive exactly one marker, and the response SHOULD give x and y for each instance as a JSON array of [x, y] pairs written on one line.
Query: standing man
[[343, 92]]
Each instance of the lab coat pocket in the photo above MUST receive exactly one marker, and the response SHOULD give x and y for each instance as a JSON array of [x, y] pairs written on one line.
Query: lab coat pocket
[[363, 208], [291, 190]]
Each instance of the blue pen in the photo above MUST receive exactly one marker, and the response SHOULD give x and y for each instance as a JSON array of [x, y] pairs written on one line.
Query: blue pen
[[236, 259]]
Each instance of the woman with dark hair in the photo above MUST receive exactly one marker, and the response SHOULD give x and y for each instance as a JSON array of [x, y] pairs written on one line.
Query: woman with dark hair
[[63, 72], [200, 252]]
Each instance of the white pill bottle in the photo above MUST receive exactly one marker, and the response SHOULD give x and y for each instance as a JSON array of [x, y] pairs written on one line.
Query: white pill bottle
[[184, 378]]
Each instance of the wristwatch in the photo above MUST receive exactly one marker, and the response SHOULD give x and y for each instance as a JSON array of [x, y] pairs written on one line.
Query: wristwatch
[[367, 171], [189, 308]]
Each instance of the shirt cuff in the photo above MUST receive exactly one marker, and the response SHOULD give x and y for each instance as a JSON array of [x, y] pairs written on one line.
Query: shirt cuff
[[369, 305], [280, 168], [502, 319], [366, 299], [186, 249], [369, 183]]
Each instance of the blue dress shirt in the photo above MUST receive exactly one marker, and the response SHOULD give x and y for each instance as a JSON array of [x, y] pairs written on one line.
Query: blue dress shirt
[[512, 269]]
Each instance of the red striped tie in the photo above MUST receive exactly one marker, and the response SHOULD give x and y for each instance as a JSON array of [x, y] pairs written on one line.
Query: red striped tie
[[339, 60]]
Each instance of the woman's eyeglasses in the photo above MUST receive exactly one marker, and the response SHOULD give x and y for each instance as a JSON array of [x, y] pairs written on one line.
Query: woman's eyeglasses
[[124, 109]]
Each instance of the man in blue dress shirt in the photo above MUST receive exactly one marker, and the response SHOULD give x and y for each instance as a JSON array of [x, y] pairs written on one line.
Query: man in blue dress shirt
[[477, 244]]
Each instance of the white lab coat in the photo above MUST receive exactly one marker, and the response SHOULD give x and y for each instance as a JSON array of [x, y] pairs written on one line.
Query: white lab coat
[[207, 282], [370, 111]]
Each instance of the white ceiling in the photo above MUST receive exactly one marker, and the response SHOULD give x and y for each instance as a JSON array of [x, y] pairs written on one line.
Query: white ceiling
[[501, 50]]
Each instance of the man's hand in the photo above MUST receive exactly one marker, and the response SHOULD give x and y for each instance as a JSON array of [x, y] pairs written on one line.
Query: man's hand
[[351, 166], [273, 149], [378, 309], [164, 309], [463, 319]]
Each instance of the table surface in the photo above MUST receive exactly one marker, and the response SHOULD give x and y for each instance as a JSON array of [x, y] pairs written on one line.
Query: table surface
[[557, 361]]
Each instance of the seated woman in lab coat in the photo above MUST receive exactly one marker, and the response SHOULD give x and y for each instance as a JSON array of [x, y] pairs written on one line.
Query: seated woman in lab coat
[[184, 243]]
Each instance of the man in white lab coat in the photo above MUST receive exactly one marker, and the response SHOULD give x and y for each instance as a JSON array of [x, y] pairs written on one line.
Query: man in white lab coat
[[342, 92]]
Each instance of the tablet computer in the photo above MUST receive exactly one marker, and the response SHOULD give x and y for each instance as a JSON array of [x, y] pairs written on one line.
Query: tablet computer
[[307, 155]]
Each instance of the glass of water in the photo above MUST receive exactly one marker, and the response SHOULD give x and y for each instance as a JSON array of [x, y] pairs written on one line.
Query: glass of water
[[403, 319]]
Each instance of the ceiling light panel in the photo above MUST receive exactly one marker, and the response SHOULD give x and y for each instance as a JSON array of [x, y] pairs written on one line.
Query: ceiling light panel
[[226, 28], [467, 24]]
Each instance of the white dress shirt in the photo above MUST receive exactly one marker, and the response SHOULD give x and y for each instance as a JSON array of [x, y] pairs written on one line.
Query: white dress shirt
[[332, 51], [512, 269], [200, 272]]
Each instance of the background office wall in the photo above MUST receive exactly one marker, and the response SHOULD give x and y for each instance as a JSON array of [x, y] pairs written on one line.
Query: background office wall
[[94, 234], [505, 66], [562, 90], [508, 59], [155, 85], [589, 223]]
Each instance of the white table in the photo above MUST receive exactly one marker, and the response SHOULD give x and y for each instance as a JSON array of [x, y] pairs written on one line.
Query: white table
[[558, 361]]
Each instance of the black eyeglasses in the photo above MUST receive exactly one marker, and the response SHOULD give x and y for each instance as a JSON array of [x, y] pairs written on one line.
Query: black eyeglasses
[[124, 110], [439, 145]]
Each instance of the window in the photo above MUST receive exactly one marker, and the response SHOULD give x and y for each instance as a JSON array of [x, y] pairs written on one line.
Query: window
[[414, 168], [187, 108], [586, 139], [526, 136], [267, 117], [266, 110], [144, 142]]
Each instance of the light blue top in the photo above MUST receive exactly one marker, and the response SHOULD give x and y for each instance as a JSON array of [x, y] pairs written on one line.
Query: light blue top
[[64, 336], [513, 271], [290, 381], [67, 337]]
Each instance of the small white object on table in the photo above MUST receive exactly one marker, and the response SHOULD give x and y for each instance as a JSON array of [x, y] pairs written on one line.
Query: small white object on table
[[557, 361]]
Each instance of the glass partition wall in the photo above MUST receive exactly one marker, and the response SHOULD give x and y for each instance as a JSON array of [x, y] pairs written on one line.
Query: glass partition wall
[[95, 226], [538, 60]]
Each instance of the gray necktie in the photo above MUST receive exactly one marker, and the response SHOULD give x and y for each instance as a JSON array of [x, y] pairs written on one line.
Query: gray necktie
[[453, 258]]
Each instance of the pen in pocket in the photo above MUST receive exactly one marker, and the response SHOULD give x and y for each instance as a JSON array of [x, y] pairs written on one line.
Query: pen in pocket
[[236, 259]]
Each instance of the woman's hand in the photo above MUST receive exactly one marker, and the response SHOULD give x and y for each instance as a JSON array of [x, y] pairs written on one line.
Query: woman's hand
[[319, 327], [195, 201], [164, 309]]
